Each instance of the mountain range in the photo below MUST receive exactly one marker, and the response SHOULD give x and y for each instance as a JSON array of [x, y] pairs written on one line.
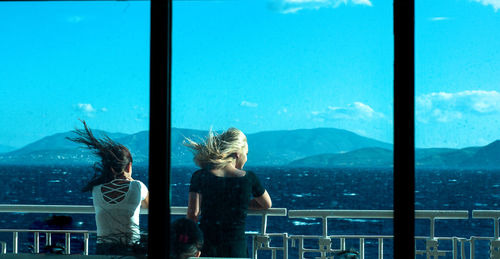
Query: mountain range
[[320, 147]]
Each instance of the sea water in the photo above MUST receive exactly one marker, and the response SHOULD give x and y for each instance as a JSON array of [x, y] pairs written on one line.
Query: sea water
[[291, 188]]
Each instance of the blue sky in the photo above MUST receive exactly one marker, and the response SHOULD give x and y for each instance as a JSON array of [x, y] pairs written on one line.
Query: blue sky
[[256, 65]]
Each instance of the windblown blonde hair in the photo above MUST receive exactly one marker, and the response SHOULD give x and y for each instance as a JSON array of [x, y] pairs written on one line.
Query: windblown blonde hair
[[217, 150]]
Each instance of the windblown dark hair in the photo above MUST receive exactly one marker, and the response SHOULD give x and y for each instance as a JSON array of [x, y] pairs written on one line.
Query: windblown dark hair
[[114, 157], [186, 239]]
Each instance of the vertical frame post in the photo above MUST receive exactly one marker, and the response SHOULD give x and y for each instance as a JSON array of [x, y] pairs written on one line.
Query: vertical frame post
[[159, 130], [404, 138]]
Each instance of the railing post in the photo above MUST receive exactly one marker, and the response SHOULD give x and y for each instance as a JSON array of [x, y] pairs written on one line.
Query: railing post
[[472, 247], [380, 248], [462, 249], [254, 253], [36, 237], [496, 227], [264, 224], [325, 227], [455, 248], [86, 243], [15, 240], [285, 245], [48, 238], [301, 248], [4, 247], [432, 227], [362, 248], [68, 243]]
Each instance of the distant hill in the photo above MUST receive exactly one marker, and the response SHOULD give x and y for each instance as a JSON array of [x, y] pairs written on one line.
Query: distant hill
[[266, 148], [487, 157], [59, 142], [365, 157], [282, 147], [451, 158], [320, 147]]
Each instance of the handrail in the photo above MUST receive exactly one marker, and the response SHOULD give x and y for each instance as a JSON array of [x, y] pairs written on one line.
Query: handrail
[[269, 212], [340, 213], [489, 214], [354, 214], [441, 214], [70, 209], [432, 215], [478, 214], [89, 209]]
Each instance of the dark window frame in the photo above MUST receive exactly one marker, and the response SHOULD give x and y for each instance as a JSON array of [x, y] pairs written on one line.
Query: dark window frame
[[159, 128], [404, 128]]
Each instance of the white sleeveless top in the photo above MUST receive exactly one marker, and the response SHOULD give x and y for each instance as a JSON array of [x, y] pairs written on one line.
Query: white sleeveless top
[[117, 220]]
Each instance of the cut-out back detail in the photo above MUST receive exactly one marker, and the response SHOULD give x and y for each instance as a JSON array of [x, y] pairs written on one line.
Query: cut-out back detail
[[115, 191]]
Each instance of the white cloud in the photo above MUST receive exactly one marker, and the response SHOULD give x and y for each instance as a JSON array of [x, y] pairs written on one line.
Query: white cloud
[[104, 109], [494, 3], [446, 107], [248, 104], [439, 18], [75, 19], [293, 6], [85, 108], [354, 111], [282, 111]]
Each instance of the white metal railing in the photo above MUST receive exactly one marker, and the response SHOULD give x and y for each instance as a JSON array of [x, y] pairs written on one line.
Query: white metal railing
[[326, 244], [63, 209], [325, 240], [494, 241], [69, 209], [261, 240], [48, 239]]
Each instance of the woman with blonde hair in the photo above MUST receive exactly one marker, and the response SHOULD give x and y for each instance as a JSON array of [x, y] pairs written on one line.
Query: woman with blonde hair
[[221, 193]]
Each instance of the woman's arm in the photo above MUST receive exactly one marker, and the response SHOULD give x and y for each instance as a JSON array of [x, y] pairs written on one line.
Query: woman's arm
[[145, 202], [262, 202], [194, 206]]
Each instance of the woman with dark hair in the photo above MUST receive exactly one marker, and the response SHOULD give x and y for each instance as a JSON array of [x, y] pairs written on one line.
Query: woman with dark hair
[[117, 197], [186, 239]]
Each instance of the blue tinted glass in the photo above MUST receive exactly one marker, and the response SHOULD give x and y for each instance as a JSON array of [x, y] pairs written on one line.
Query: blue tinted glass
[[310, 85]]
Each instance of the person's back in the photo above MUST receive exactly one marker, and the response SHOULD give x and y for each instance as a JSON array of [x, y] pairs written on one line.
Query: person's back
[[221, 193], [116, 195], [117, 209], [225, 221]]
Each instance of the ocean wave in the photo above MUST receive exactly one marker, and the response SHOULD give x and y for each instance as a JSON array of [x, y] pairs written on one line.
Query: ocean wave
[[302, 223], [361, 220]]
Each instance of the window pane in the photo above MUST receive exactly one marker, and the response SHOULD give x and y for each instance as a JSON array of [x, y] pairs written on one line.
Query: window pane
[[310, 84], [457, 110], [61, 62]]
